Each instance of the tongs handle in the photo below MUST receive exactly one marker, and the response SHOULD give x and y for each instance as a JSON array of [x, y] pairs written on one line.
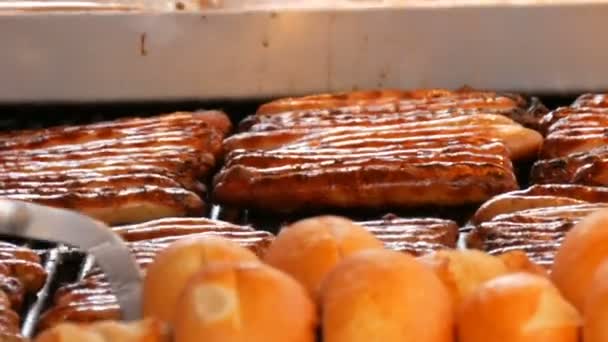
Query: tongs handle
[[39, 222]]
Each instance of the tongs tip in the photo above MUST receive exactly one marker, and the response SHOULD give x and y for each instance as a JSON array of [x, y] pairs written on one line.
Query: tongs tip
[[13, 216]]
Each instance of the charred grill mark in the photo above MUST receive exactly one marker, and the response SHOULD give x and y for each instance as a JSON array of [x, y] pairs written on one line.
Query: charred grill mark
[[122, 171], [574, 151], [394, 100], [417, 236], [401, 185], [399, 149], [126, 126], [534, 220]]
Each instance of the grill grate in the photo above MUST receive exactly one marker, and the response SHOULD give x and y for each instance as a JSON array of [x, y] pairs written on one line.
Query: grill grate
[[30, 318], [65, 265]]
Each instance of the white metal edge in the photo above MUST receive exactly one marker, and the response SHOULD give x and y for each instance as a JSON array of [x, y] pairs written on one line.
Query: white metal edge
[[241, 54]]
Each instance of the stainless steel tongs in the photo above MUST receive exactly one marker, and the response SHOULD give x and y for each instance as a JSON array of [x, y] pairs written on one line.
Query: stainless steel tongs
[[38, 222]]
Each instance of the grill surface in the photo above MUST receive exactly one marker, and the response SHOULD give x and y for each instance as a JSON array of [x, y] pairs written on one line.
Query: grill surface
[[65, 265]]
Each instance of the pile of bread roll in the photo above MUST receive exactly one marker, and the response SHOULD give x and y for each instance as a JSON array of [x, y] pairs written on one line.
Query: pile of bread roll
[[329, 278]]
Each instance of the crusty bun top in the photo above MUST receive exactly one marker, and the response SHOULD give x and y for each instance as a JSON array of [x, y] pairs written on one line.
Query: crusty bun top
[[381, 295], [596, 307], [310, 248], [463, 271], [518, 307], [233, 302], [171, 269], [579, 256]]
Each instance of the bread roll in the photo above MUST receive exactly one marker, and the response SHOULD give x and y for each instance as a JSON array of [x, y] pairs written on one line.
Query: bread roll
[[579, 256], [518, 261], [171, 269], [596, 308], [238, 302], [463, 271], [518, 307], [149, 330], [310, 248], [381, 295]]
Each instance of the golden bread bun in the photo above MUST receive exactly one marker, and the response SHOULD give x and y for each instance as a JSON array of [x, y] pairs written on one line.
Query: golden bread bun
[[596, 308], [236, 302], [149, 330], [579, 256], [381, 295], [518, 261], [310, 248], [463, 271], [168, 274], [518, 307]]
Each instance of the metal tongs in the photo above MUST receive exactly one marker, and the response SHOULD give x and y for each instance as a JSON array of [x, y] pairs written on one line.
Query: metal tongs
[[32, 221]]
